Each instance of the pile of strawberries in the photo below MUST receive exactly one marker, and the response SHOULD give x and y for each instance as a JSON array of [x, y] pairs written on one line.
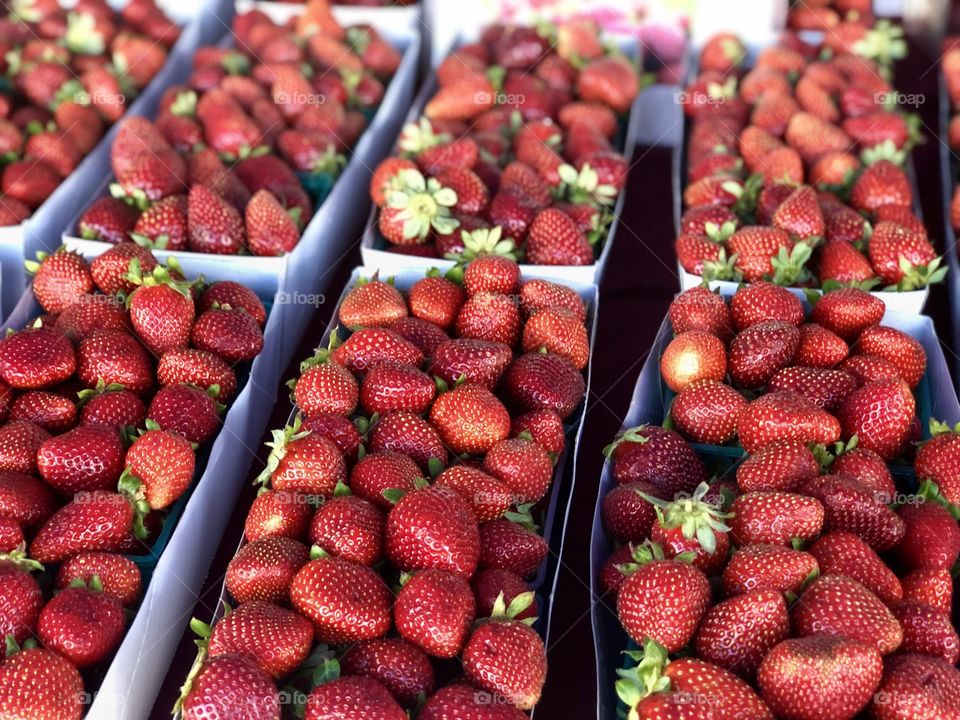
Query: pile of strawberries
[[802, 583], [103, 400], [72, 72], [419, 511], [795, 167], [519, 136], [830, 15], [219, 171]]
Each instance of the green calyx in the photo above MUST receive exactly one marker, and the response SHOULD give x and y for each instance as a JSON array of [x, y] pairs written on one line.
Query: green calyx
[[916, 277], [82, 36], [19, 558], [419, 136], [720, 232], [790, 267], [423, 204], [184, 104], [884, 44], [633, 435], [722, 269], [885, 150], [11, 647], [696, 518], [584, 186], [502, 612], [278, 449], [135, 197], [170, 275], [485, 241], [645, 678], [330, 162], [640, 555], [322, 355]]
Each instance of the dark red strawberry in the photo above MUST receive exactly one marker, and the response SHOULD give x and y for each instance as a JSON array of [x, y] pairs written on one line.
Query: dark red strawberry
[[850, 507], [848, 312], [114, 357], [434, 611], [53, 412], [349, 527], [275, 639], [85, 625], [39, 683], [36, 358], [931, 540], [24, 499], [843, 553], [775, 518], [197, 367], [263, 569], [508, 545], [185, 410], [785, 415], [230, 684], [91, 521], [118, 575], [736, 634], [21, 595], [408, 434], [658, 456], [880, 415], [401, 667], [19, 442], [778, 466], [922, 685], [84, 459], [758, 352], [768, 567]]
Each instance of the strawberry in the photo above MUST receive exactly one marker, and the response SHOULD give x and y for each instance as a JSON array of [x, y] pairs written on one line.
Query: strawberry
[[880, 414], [185, 410], [11, 535], [275, 639], [736, 634], [38, 683], [348, 527], [325, 387], [819, 676], [559, 331], [758, 352], [768, 567], [775, 518], [489, 316], [824, 388], [700, 309], [85, 625], [30, 182], [707, 411], [230, 333], [263, 569], [60, 279], [489, 497], [114, 357], [819, 347], [205, 168], [608, 80], [372, 303], [785, 415], [626, 513], [110, 269], [694, 526], [837, 606], [842, 223], [544, 381], [434, 611], [159, 468], [81, 460], [852, 508], [843, 553], [366, 347], [398, 665], [433, 527], [408, 434], [271, 228], [108, 219], [415, 206], [800, 215], [352, 696], [236, 295], [523, 466], [927, 631], [345, 601], [508, 545], [22, 597], [936, 461], [545, 428], [304, 462], [161, 311], [92, 313], [882, 183], [899, 348], [392, 386], [930, 586], [197, 367], [554, 239], [490, 273], [662, 599], [812, 136], [276, 513], [19, 442], [921, 685], [51, 411], [764, 302], [477, 361], [931, 541], [164, 224], [658, 456], [56, 149], [24, 499], [91, 521], [754, 247], [611, 575], [118, 575], [903, 257], [228, 685], [505, 656], [778, 466], [214, 225], [847, 312], [383, 178], [380, 471], [80, 123], [867, 468], [434, 299], [693, 357]]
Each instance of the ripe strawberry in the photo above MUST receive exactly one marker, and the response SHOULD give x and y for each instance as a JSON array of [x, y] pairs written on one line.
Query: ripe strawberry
[[366, 347], [844, 263], [344, 600], [470, 419], [214, 225], [554, 239], [161, 312], [30, 182], [850, 507], [185, 410], [608, 80], [489, 497], [819, 676], [197, 367], [764, 302], [880, 414], [736, 634], [800, 215], [38, 683], [838, 606], [303, 462], [159, 468], [352, 696], [843, 553], [24, 499], [507, 545], [230, 333], [896, 346], [758, 352], [227, 685], [164, 224], [868, 469], [523, 465], [658, 456], [927, 631], [813, 137], [275, 639], [778, 466], [109, 220], [824, 388], [492, 274], [931, 586], [398, 665], [433, 527], [22, 598], [85, 625], [110, 269], [775, 518], [114, 357], [348, 527], [692, 525], [626, 514], [505, 656], [768, 567], [700, 309], [409, 434], [921, 685], [276, 513], [53, 412], [707, 412], [842, 224], [848, 312], [380, 471], [785, 415], [94, 312], [903, 257], [692, 357], [489, 316], [372, 303], [91, 521], [263, 569], [119, 576], [383, 178], [477, 361], [663, 600], [930, 540], [434, 299], [544, 381], [81, 460], [434, 611], [819, 347], [19, 442], [544, 427], [36, 358], [236, 295], [882, 183]]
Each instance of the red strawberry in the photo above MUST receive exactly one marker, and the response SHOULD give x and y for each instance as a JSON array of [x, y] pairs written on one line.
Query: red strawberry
[[903, 257], [352, 696], [880, 415], [775, 518], [159, 468], [409, 434], [304, 462], [108, 219], [161, 311], [84, 625], [276, 513], [489, 497], [700, 309], [523, 465], [692, 525], [764, 302], [819, 677], [930, 586], [21, 595], [236, 295], [663, 600], [114, 357], [848, 312], [231, 333], [470, 419], [489, 316], [800, 215], [758, 352], [51, 411], [94, 312], [118, 575], [434, 611], [349, 527], [24, 499], [921, 685], [658, 456], [544, 381], [434, 299], [785, 415], [263, 569], [60, 279], [778, 466], [30, 182], [819, 347], [38, 683], [554, 239], [19, 442], [545, 428], [91, 521], [163, 225], [110, 269], [214, 225], [366, 347], [693, 357], [84, 459], [345, 601], [882, 183], [477, 361], [626, 514], [227, 685], [275, 639], [736, 634], [927, 631], [931, 540], [402, 668], [843, 553], [768, 567], [850, 507], [896, 346], [197, 367], [824, 388], [185, 410], [707, 412], [380, 471], [611, 81]]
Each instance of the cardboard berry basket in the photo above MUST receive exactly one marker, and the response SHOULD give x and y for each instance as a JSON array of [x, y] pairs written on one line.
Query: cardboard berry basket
[[178, 560], [387, 15], [327, 235], [911, 302], [650, 405], [374, 248], [20, 242]]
